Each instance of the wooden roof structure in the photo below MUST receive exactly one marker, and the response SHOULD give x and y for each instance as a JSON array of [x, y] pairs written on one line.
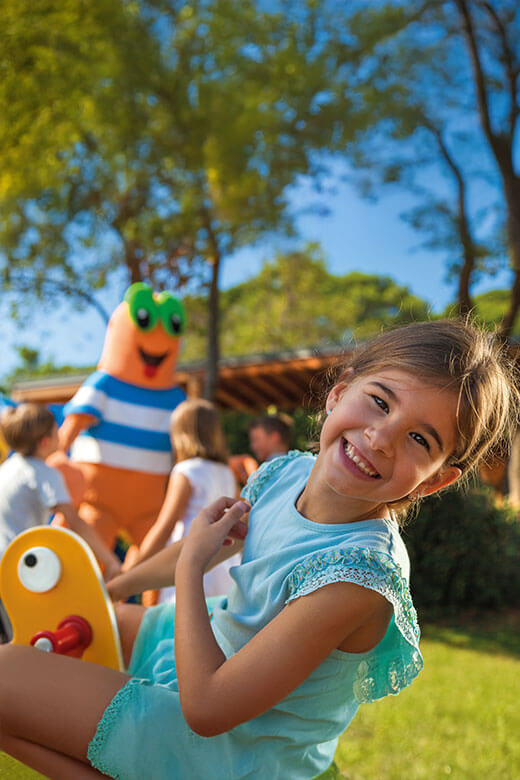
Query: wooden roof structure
[[285, 380]]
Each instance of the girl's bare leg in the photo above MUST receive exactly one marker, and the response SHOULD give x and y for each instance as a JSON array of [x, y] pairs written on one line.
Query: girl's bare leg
[[129, 617], [50, 707], [54, 765]]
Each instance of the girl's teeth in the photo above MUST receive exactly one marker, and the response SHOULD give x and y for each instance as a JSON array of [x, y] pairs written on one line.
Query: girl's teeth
[[349, 451]]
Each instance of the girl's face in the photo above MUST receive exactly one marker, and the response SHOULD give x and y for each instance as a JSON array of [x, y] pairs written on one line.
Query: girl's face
[[387, 436]]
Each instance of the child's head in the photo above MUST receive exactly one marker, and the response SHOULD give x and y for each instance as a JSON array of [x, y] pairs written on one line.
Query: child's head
[[24, 426], [456, 356], [196, 432]]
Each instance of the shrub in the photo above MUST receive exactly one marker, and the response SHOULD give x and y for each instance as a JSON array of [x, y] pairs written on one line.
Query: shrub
[[464, 551]]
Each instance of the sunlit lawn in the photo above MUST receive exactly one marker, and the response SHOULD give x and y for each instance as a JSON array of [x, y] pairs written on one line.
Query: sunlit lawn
[[460, 718]]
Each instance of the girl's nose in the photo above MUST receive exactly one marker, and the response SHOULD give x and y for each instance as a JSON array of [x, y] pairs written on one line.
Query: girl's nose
[[380, 438]]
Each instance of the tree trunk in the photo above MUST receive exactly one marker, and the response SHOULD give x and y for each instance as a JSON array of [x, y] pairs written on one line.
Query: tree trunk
[[513, 473], [132, 263], [213, 354], [468, 247], [465, 303], [501, 143], [512, 197]]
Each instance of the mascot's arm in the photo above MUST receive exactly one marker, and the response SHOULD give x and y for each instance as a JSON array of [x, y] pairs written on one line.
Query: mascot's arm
[[72, 426], [173, 508]]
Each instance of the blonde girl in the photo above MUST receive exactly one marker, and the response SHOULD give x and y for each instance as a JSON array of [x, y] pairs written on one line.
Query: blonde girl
[[200, 476], [319, 618]]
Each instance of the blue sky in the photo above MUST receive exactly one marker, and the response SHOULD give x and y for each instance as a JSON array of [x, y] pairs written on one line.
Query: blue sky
[[357, 236]]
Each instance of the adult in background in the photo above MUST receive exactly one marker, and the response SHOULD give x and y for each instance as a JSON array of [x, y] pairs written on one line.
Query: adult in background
[[270, 436]]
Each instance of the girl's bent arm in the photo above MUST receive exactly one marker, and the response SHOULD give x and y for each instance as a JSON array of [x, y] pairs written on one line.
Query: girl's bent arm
[[217, 694], [174, 505], [159, 571]]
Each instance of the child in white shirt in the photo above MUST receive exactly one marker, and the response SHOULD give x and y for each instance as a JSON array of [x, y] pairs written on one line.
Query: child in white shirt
[[30, 490]]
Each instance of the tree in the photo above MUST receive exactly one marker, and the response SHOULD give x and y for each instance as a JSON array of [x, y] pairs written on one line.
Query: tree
[[62, 68], [439, 89], [294, 302], [491, 307], [492, 30], [196, 119], [31, 366]]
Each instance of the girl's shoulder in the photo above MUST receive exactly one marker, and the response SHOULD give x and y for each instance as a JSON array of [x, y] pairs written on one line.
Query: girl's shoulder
[[207, 477], [188, 465], [395, 662], [274, 469], [200, 466]]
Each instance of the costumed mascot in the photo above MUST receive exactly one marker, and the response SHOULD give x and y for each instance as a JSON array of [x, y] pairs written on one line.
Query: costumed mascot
[[117, 424]]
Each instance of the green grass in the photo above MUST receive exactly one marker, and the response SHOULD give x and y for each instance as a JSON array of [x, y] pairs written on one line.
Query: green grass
[[460, 719]]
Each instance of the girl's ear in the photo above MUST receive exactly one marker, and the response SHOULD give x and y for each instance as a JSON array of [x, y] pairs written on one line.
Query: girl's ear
[[442, 479], [338, 390]]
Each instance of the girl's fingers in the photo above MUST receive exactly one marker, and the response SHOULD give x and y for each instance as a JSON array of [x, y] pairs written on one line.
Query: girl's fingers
[[215, 510], [233, 515], [239, 530]]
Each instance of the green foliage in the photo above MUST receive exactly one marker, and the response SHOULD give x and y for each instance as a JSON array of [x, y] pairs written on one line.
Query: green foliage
[[294, 302], [156, 136], [189, 128], [490, 308], [32, 367], [464, 552]]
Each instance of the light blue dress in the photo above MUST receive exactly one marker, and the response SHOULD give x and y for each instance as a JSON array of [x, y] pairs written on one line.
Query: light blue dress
[[143, 734]]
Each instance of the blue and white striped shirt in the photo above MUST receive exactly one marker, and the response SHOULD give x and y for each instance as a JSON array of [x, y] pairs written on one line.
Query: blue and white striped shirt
[[133, 428]]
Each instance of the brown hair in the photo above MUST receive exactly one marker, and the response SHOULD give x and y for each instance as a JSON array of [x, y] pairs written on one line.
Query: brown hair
[[196, 432], [275, 423], [455, 355], [24, 426]]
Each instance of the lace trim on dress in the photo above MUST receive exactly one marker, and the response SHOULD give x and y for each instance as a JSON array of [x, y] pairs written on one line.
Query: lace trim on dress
[[257, 480], [97, 744], [396, 661]]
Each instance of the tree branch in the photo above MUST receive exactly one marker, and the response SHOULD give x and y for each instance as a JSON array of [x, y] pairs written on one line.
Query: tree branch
[[469, 260], [213, 310], [478, 72], [26, 284], [511, 71]]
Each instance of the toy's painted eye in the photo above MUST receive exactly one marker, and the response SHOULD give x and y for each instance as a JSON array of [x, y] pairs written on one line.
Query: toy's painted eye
[[142, 306], [173, 316], [39, 569]]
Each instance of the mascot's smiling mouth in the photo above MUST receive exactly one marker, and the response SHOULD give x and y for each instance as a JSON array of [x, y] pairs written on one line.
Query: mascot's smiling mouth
[[152, 362]]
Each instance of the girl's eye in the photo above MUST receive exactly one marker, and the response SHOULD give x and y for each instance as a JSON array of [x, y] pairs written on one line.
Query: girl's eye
[[420, 440], [381, 403]]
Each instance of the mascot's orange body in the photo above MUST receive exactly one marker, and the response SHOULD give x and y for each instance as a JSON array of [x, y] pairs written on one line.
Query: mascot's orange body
[[117, 424]]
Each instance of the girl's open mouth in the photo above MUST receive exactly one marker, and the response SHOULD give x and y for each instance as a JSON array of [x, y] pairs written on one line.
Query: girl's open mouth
[[355, 458]]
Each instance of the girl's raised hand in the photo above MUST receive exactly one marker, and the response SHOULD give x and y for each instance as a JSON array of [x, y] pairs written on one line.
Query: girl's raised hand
[[214, 526]]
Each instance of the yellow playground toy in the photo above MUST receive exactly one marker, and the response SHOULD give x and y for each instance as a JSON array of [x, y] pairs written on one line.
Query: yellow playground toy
[[53, 592]]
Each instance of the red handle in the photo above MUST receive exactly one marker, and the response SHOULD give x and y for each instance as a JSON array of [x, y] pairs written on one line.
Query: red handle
[[72, 637]]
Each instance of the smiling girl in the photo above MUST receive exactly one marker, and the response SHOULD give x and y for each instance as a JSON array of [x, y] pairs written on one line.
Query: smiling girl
[[319, 618]]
